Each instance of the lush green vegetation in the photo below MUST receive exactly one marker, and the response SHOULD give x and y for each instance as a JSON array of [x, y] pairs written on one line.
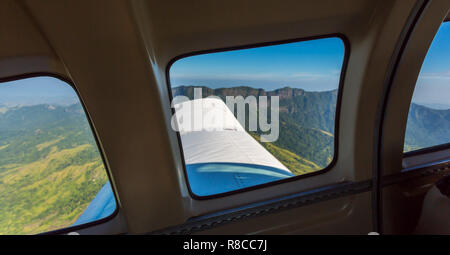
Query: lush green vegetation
[[292, 161], [50, 168]]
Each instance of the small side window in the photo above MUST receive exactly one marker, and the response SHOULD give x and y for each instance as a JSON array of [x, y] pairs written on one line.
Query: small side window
[[51, 172], [429, 114], [253, 116]]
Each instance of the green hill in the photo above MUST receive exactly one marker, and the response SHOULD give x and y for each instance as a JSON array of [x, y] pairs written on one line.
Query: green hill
[[292, 161], [50, 168], [426, 127]]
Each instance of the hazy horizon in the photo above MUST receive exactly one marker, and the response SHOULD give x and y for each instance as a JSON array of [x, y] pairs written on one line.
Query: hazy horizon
[[49, 90], [37, 90], [309, 65], [433, 83]]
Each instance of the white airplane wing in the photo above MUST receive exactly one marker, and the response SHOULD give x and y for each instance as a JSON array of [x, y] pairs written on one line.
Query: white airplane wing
[[220, 156]]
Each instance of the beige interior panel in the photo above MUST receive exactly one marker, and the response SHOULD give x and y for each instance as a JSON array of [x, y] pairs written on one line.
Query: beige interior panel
[[23, 48], [346, 215]]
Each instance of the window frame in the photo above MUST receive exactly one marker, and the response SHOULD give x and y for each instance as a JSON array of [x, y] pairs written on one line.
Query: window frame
[[426, 150], [97, 142], [433, 148], [345, 60]]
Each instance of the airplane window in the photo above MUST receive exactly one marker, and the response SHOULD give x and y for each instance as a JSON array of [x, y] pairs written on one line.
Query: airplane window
[[250, 116], [429, 114], [51, 173]]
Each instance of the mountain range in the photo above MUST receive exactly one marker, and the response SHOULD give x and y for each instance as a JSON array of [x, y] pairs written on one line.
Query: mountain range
[[426, 127], [307, 122]]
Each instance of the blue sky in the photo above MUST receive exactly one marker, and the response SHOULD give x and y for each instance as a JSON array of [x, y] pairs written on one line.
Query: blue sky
[[311, 65], [37, 90], [433, 84]]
